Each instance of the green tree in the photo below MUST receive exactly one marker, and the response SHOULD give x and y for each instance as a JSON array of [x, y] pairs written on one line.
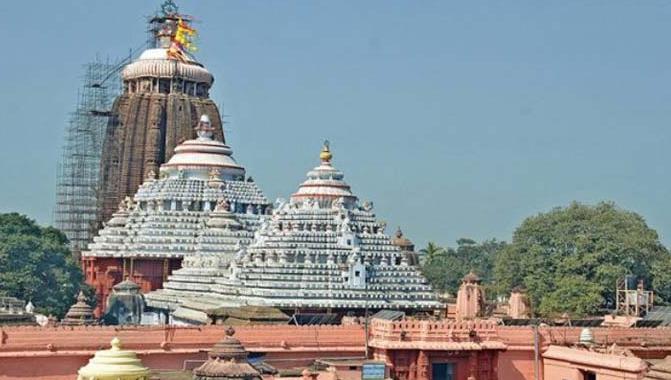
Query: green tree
[[432, 249], [447, 266], [569, 259], [36, 265]]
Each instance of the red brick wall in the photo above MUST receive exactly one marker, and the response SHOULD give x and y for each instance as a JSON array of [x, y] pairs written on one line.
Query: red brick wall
[[103, 273]]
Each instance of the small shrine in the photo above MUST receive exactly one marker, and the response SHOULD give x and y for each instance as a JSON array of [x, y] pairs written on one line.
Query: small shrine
[[518, 304], [80, 313], [470, 297], [114, 364], [125, 305], [227, 360], [406, 246]]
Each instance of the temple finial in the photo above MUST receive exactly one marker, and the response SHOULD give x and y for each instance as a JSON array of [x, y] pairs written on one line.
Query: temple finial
[[116, 344], [169, 8], [325, 154]]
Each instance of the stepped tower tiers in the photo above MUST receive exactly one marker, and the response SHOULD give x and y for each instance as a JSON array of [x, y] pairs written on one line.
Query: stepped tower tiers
[[173, 216], [80, 313], [322, 250], [165, 90]]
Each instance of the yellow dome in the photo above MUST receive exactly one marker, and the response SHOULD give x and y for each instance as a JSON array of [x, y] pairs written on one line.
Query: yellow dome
[[325, 154], [114, 364]]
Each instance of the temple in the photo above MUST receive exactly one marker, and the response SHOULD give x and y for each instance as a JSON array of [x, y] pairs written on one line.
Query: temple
[[321, 251], [79, 314], [165, 90], [114, 364], [228, 359], [173, 216]]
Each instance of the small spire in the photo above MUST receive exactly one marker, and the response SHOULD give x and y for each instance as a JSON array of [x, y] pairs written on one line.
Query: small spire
[[116, 344], [81, 297], [204, 128], [325, 154]]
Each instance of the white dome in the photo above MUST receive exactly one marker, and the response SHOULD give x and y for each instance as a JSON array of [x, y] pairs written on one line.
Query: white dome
[[203, 156], [203, 152], [155, 63]]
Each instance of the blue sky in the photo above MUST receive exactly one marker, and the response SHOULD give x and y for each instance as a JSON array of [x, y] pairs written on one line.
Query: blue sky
[[458, 119]]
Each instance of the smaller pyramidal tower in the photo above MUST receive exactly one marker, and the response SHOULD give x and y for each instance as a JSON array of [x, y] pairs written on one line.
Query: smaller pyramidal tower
[[165, 90]]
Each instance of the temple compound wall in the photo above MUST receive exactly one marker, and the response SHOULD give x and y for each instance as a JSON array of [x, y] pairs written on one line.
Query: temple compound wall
[[412, 350], [483, 350], [58, 352]]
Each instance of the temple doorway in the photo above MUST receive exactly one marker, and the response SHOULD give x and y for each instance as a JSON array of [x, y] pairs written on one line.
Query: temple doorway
[[443, 371], [588, 375]]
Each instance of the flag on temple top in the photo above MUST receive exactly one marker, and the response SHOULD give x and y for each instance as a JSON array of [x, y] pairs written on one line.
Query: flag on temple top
[[182, 41]]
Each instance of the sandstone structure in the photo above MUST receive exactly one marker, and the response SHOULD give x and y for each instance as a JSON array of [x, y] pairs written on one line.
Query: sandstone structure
[[470, 298], [162, 99], [125, 305], [227, 360], [518, 304], [406, 246], [80, 313]]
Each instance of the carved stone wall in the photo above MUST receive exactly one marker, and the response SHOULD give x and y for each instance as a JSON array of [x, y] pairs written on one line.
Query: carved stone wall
[[142, 133]]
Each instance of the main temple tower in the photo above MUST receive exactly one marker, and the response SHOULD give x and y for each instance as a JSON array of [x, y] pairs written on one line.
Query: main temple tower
[[165, 90]]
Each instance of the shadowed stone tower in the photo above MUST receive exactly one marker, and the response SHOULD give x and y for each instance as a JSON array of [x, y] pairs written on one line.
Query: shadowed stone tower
[[163, 96]]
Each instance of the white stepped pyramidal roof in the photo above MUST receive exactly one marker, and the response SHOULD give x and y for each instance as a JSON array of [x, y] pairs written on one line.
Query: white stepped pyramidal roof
[[321, 249], [168, 216]]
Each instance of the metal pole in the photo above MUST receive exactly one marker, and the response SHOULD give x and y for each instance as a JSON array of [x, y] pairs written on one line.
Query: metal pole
[[536, 354], [365, 312]]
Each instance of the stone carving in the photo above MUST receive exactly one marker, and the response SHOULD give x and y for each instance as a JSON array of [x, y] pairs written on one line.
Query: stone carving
[[214, 174], [126, 204], [151, 175], [280, 204], [222, 205], [367, 206], [122, 206], [344, 227], [338, 203]]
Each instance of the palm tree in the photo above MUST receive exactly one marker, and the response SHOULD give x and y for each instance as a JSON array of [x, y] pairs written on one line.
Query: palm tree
[[432, 250]]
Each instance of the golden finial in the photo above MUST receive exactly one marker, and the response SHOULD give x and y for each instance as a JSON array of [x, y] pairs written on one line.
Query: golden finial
[[325, 154]]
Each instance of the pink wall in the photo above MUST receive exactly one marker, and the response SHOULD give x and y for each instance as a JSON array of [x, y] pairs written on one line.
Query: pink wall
[[56, 353], [516, 365], [557, 370]]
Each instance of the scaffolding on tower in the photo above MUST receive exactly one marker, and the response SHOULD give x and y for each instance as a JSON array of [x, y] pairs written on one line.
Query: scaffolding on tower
[[79, 166]]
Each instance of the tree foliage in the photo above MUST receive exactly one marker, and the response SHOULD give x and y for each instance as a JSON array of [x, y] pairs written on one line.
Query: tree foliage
[[569, 259], [36, 265], [445, 267]]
